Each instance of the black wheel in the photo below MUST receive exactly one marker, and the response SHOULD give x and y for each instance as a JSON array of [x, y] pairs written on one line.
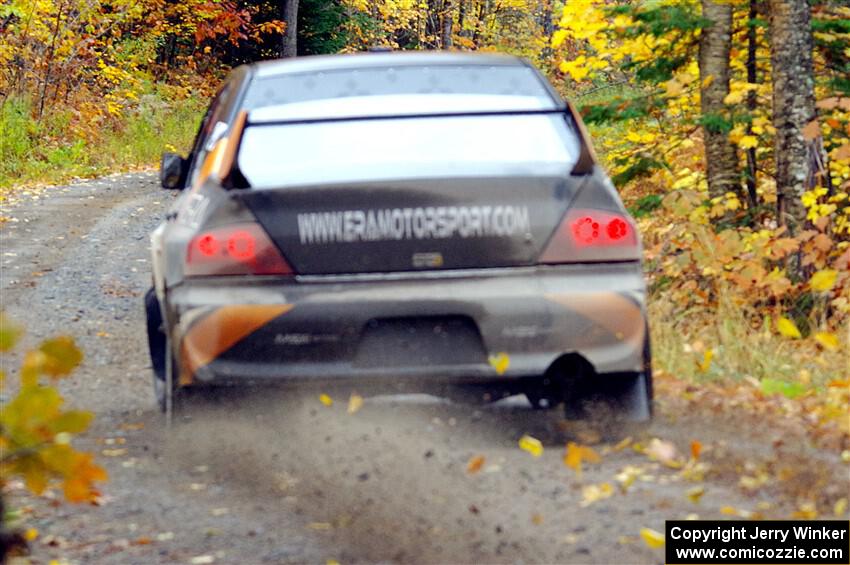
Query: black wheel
[[543, 394], [163, 362]]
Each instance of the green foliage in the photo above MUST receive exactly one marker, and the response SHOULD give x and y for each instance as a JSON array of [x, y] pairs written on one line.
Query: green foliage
[[635, 167], [645, 205], [715, 123], [661, 20], [39, 150], [617, 110], [321, 27]]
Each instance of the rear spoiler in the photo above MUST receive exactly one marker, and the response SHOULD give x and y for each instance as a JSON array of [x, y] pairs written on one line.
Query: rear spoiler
[[221, 160]]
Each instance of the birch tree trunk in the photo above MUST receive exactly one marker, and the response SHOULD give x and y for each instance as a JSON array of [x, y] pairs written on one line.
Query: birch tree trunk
[[793, 105], [715, 43]]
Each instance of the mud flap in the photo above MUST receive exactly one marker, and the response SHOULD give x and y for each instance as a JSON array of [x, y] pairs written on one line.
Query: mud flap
[[613, 397]]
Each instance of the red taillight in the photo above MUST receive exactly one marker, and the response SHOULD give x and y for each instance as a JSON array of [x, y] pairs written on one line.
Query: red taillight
[[243, 249], [592, 235]]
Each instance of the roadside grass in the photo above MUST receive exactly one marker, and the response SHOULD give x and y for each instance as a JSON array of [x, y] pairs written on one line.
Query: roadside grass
[[60, 146], [721, 345]]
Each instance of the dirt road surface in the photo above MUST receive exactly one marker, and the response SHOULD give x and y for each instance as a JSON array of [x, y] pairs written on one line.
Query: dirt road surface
[[280, 478]]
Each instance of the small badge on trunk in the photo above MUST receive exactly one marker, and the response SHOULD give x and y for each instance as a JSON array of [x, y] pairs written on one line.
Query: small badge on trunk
[[427, 260]]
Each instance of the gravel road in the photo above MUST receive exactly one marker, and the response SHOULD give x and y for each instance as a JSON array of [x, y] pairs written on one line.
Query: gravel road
[[274, 478]]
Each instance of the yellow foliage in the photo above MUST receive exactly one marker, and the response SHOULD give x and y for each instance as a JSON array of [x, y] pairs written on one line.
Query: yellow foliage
[[787, 328], [36, 433]]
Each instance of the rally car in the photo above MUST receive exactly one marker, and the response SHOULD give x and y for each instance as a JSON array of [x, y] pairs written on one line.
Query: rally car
[[421, 221]]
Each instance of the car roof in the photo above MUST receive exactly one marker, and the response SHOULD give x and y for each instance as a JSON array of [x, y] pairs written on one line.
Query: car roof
[[316, 63]]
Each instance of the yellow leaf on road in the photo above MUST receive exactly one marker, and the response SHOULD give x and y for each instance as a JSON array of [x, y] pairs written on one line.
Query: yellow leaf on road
[[531, 445], [592, 493], [475, 464], [827, 340], [325, 399], [787, 328], [355, 402], [823, 281], [652, 538], [576, 453], [696, 449], [694, 494]]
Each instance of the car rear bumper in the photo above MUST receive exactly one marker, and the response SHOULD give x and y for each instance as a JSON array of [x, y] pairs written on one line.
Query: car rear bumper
[[447, 326]]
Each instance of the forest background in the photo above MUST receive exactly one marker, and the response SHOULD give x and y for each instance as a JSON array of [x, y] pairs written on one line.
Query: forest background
[[725, 125]]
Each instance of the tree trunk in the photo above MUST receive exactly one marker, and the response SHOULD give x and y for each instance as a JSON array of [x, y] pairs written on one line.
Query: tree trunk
[[720, 154], [752, 103], [433, 28], [289, 41], [448, 22], [793, 105]]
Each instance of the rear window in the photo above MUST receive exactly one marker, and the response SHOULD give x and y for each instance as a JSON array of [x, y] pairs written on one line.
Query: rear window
[[406, 148], [513, 80]]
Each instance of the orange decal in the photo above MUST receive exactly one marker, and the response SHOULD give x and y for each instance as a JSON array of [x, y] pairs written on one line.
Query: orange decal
[[221, 330], [609, 310]]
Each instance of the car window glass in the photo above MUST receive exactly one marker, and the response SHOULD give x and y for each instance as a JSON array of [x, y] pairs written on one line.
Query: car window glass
[[386, 149], [511, 80], [210, 129]]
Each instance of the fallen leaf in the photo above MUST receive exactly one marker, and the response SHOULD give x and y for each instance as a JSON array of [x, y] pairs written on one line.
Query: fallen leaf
[[114, 452], [144, 540], [694, 494], [811, 130], [500, 362], [531, 445], [824, 280], [475, 464], [592, 493], [806, 511], [576, 453], [705, 364], [840, 507], [663, 452], [622, 444], [652, 538], [627, 476], [325, 399], [132, 427], [787, 328], [827, 340], [31, 534], [537, 519], [355, 402], [729, 511], [319, 525], [696, 449]]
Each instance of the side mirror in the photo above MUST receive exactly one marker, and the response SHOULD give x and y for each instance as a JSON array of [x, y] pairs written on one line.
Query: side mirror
[[173, 170]]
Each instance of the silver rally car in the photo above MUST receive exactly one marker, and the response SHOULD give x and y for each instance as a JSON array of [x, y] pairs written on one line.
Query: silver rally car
[[414, 222]]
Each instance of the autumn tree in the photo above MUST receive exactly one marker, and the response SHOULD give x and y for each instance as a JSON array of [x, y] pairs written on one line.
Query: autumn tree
[[715, 44], [791, 46]]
